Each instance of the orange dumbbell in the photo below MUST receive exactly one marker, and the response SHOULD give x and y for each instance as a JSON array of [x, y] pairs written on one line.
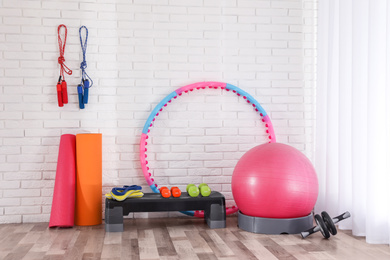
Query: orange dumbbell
[[176, 192], [165, 192]]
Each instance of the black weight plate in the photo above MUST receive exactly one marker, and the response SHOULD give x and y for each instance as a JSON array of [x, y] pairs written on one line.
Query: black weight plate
[[324, 230], [329, 222]]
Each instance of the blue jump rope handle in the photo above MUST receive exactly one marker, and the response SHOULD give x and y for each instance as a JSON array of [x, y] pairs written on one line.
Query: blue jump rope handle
[[86, 90], [80, 92]]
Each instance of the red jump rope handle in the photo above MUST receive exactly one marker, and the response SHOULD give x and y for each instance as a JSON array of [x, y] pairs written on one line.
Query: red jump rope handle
[[64, 92], [59, 95]]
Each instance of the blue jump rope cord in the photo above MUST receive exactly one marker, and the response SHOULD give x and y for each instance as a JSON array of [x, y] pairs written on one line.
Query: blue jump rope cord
[[83, 64]]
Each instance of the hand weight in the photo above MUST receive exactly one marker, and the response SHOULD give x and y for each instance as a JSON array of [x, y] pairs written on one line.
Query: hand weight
[[165, 192], [193, 191], [202, 185], [189, 185], [176, 192], [204, 190], [325, 224]]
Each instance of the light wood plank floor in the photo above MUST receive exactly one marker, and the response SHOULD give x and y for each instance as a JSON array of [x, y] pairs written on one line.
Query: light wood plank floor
[[175, 238]]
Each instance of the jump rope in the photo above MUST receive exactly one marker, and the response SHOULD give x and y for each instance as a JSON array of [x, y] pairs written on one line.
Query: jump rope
[[86, 80], [62, 92]]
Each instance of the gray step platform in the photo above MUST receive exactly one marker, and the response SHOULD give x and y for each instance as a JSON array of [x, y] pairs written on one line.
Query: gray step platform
[[213, 206]]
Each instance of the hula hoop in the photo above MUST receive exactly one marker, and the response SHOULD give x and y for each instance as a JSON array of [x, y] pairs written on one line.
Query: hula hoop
[[178, 92]]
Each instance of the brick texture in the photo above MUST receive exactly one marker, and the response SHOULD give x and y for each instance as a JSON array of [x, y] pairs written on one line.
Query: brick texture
[[138, 52]]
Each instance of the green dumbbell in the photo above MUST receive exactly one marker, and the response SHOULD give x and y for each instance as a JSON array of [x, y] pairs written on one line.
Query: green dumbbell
[[192, 190], [204, 189], [202, 184], [189, 185]]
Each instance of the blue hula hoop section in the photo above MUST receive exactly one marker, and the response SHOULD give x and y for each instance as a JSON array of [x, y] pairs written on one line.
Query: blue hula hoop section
[[248, 96], [154, 188], [156, 110]]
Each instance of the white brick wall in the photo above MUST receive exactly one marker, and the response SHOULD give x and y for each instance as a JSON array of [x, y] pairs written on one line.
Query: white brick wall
[[138, 52]]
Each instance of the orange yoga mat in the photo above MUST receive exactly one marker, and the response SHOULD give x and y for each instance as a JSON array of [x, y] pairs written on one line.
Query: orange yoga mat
[[62, 208], [88, 209]]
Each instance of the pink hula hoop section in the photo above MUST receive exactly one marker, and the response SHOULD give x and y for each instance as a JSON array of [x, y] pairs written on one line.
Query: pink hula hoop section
[[178, 92]]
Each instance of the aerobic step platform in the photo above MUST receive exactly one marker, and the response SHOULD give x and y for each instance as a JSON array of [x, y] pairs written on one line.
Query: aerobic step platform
[[213, 206]]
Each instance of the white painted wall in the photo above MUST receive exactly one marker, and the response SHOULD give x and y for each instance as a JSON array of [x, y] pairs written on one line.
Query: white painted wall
[[138, 52]]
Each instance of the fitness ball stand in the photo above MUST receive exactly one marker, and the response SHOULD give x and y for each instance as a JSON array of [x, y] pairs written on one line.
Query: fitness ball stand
[[274, 226]]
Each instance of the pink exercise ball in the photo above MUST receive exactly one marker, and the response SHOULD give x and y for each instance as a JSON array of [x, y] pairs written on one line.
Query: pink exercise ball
[[275, 180]]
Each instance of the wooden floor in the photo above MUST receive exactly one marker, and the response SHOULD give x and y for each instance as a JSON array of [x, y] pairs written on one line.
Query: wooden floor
[[175, 238]]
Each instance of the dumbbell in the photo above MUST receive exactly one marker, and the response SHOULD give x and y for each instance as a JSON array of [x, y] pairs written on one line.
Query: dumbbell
[[325, 224], [204, 189], [176, 192], [165, 192], [192, 190]]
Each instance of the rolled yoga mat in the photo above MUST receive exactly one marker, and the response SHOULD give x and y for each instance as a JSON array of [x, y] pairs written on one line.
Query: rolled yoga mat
[[62, 209], [88, 210]]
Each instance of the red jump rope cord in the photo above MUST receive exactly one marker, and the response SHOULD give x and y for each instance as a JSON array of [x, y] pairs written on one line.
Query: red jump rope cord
[[61, 59]]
